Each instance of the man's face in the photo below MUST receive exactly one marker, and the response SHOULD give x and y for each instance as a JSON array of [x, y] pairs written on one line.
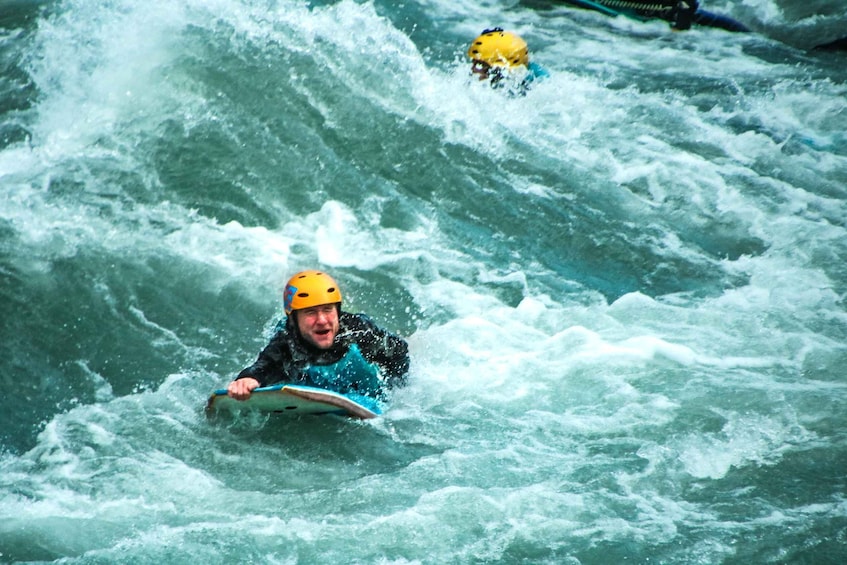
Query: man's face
[[491, 73], [318, 325], [480, 69]]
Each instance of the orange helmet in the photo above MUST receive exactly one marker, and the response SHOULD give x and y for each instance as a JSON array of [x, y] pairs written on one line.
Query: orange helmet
[[310, 288], [499, 48]]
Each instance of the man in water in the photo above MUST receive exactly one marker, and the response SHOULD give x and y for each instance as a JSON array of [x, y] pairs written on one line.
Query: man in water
[[502, 58], [320, 345]]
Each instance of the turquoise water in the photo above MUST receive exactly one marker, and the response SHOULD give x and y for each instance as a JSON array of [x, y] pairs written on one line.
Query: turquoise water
[[623, 293]]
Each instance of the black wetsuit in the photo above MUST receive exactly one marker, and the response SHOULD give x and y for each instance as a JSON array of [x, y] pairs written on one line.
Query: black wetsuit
[[363, 358]]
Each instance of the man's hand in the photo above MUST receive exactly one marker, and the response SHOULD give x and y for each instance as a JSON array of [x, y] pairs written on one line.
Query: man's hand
[[241, 389]]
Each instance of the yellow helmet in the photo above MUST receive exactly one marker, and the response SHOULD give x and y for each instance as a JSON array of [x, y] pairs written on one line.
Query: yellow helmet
[[310, 288], [499, 48]]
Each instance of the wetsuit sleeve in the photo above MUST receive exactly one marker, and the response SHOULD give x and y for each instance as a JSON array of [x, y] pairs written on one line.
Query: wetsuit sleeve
[[273, 364], [390, 352]]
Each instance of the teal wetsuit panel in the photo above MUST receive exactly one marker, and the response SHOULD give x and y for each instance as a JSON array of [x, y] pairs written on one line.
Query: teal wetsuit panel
[[536, 72], [351, 373]]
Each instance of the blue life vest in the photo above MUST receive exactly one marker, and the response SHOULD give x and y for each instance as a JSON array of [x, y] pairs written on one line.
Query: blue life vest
[[351, 373], [536, 72]]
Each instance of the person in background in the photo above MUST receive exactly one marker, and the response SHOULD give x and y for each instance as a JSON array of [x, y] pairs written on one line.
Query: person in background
[[680, 14], [502, 58], [318, 344]]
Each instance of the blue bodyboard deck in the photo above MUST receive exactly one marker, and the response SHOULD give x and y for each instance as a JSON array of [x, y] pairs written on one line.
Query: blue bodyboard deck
[[297, 399]]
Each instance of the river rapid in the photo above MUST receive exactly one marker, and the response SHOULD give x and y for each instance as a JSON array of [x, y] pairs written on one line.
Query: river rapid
[[624, 293]]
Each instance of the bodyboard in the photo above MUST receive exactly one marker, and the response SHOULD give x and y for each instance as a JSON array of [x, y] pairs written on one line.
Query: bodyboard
[[297, 399]]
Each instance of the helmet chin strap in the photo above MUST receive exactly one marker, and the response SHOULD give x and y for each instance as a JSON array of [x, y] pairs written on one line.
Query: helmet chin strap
[[292, 325]]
